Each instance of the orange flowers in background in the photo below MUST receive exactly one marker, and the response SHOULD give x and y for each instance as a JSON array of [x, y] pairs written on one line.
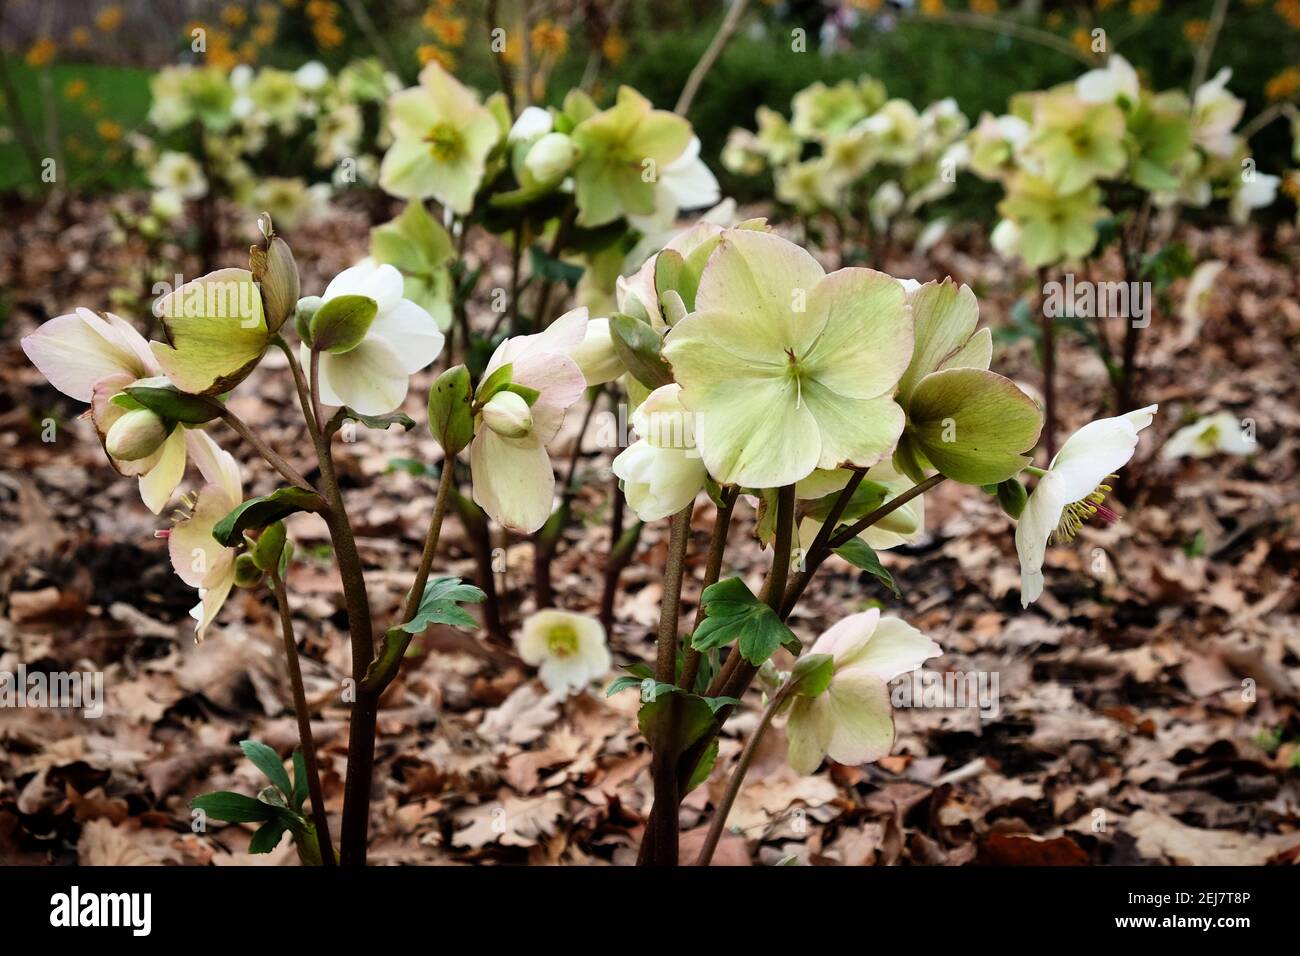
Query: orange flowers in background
[[109, 19], [1285, 85], [549, 37], [41, 52]]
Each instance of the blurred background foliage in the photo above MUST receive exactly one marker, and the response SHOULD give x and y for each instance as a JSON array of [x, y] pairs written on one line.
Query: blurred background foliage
[[78, 70]]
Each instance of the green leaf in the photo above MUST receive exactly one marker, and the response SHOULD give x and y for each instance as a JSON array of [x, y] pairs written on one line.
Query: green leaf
[[232, 807], [440, 604], [860, 554], [262, 511], [624, 683], [552, 269], [638, 347], [267, 837], [694, 720], [342, 322], [268, 761], [300, 789], [381, 422], [1012, 497], [704, 767], [176, 406], [734, 614]]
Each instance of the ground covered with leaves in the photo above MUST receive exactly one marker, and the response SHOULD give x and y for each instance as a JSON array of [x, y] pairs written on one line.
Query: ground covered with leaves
[[1147, 708]]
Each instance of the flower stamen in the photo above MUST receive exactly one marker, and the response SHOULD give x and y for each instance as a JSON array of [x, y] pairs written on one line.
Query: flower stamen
[[1078, 513]]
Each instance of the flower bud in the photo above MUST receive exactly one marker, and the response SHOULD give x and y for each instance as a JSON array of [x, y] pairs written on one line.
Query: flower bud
[[595, 354], [247, 573], [302, 316], [551, 157], [450, 418], [135, 435], [508, 415], [276, 273]]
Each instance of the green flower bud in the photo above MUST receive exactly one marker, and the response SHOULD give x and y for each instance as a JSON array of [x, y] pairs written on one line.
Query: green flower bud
[[451, 416], [302, 316], [551, 157], [135, 435], [508, 415], [247, 573], [1012, 497], [270, 543], [276, 273]]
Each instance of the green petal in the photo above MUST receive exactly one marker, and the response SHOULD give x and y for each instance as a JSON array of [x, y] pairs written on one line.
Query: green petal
[[217, 329], [865, 334], [973, 425], [854, 432], [944, 316]]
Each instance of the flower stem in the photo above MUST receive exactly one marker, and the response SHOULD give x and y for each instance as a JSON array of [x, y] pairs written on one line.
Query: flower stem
[[286, 470], [712, 571], [319, 816], [723, 810], [445, 482]]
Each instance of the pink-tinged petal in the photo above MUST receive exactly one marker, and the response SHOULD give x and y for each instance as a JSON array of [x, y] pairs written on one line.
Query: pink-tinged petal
[[847, 636], [217, 465], [513, 483], [895, 648], [560, 383], [198, 558], [103, 413], [411, 332], [132, 340], [560, 336], [212, 599], [76, 350], [157, 485]]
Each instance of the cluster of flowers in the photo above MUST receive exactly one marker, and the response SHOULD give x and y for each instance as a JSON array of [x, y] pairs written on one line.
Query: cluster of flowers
[[1062, 153], [220, 132], [850, 148]]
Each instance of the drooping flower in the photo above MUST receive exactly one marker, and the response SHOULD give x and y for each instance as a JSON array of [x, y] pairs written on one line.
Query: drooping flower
[[787, 368], [1220, 432], [809, 186], [661, 471], [1053, 226], [513, 479], [442, 135], [623, 151], [1074, 490], [1215, 114], [1117, 81], [373, 376], [851, 721], [94, 358], [1075, 142], [217, 329], [822, 111], [568, 649]]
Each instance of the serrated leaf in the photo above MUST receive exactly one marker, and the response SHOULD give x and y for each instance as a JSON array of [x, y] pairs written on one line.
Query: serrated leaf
[[735, 614], [264, 510], [440, 604], [267, 837], [860, 554]]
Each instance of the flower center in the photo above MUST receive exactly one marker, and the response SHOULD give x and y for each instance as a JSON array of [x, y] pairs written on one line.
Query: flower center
[[562, 641], [444, 142], [1078, 513]]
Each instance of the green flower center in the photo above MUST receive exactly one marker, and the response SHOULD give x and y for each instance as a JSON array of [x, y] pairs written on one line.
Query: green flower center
[[562, 641], [445, 142]]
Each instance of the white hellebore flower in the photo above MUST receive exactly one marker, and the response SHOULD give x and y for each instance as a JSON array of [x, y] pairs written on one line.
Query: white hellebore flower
[[662, 472], [1073, 490], [312, 75], [180, 173], [403, 338], [1106, 85], [568, 649], [851, 721], [1213, 433], [1256, 192], [1215, 113], [513, 478]]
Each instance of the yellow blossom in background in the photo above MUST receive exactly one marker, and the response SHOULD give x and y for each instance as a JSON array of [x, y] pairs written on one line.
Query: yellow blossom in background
[[1054, 19], [233, 16], [321, 10], [108, 130], [1082, 39], [550, 37], [984, 6], [513, 53], [1289, 10], [42, 52], [327, 34], [1291, 185], [931, 7], [248, 51], [109, 19], [1284, 85], [429, 53], [263, 34], [93, 107], [75, 88], [1196, 30], [449, 31], [613, 47], [79, 37], [1143, 8]]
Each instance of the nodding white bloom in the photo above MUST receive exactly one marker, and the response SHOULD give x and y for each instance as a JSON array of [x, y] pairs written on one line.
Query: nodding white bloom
[[312, 75], [1221, 432], [567, 649], [198, 558], [533, 123], [1005, 239], [1074, 490], [851, 721], [595, 354], [1106, 85], [903, 525], [1254, 193], [179, 173], [372, 378], [513, 478], [662, 472], [94, 358], [1215, 113]]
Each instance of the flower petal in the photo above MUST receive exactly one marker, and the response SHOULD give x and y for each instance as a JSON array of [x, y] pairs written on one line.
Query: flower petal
[[76, 350], [1096, 450], [1037, 522], [861, 720], [370, 379], [864, 340], [410, 331], [843, 639], [157, 485], [894, 648], [513, 483], [809, 733]]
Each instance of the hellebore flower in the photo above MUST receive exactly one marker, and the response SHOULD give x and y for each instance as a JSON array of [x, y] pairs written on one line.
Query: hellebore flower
[[198, 558], [568, 649], [637, 294], [808, 186], [93, 358], [1256, 192], [1221, 432], [851, 721], [1075, 142], [822, 111], [1053, 226], [442, 135], [217, 329], [1117, 81], [372, 376], [775, 139], [661, 471], [513, 478], [1073, 490], [787, 368], [623, 152], [420, 248], [993, 144], [179, 173], [1215, 113]]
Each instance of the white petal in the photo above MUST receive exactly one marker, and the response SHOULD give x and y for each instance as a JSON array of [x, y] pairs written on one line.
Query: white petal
[[515, 485], [894, 648], [157, 485], [847, 636], [1037, 522], [381, 282], [411, 332], [370, 379]]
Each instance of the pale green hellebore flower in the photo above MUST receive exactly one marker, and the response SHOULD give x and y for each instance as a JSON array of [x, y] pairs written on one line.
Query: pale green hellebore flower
[[1221, 432], [567, 649], [1074, 142], [787, 368], [1074, 490], [852, 721], [217, 329], [442, 136], [1053, 227]]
